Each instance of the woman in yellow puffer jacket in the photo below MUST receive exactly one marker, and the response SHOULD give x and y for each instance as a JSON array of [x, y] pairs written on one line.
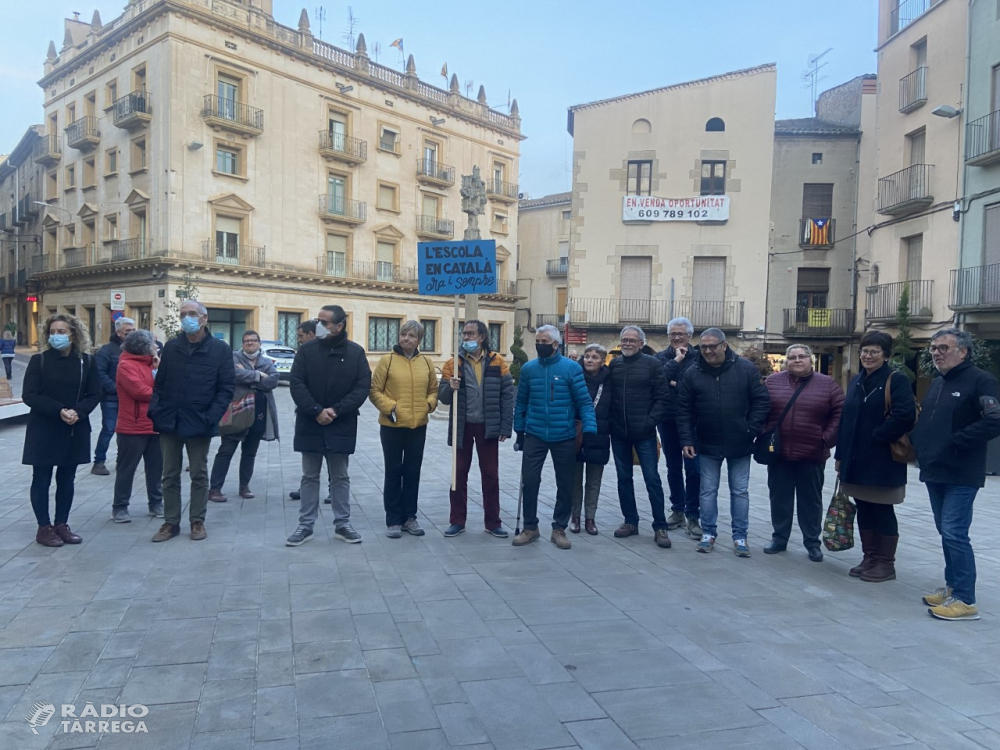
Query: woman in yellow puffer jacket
[[404, 390]]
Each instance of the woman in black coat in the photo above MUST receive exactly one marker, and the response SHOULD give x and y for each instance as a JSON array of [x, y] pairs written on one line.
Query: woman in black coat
[[62, 387], [865, 465], [597, 376]]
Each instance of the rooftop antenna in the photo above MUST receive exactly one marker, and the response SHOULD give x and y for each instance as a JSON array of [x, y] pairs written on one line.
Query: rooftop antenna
[[468, 88], [352, 22], [376, 49], [320, 15], [812, 76]]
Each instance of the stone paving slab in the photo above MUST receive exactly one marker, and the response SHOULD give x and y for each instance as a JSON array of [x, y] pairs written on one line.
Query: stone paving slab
[[241, 643]]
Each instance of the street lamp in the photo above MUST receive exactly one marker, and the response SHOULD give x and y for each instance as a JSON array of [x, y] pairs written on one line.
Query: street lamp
[[946, 111], [57, 208]]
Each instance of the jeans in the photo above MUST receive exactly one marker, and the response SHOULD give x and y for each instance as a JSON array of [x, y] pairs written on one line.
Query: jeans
[[646, 451], [41, 479], [489, 469], [8, 365], [586, 495], [563, 462], [340, 488], [403, 452], [739, 495], [248, 457], [952, 507], [172, 448], [132, 449], [109, 420], [786, 481], [683, 474]]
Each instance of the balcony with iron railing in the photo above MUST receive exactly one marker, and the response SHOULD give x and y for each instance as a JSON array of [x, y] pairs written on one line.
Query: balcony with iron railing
[[817, 233], [818, 322], [545, 319], [905, 191], [48, 150], [913, 90], [84, 134], [975, 288], [655, 314], [233, 254], [342, 148], [434, 228], [883, 300], [982, 140], [906, 12], [430, 172], [133, 110], [236, 117], [133, 248], [557, 267], [77, 257], [336, 208], [504, 192], [40, 264], [337, 267]]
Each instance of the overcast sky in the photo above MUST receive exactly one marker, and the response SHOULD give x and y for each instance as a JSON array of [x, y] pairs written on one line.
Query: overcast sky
[[549, 54]]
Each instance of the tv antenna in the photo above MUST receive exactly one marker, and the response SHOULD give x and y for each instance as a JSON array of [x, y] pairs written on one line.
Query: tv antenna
[[352, 22], [376, 49], [468, 88], [320, 15], [812, 76]]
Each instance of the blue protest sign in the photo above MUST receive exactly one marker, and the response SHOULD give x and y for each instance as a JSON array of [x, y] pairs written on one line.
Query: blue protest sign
[[466, 267]]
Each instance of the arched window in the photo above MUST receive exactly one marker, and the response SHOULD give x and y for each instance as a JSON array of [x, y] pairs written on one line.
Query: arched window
[[715, 125], [641, 126]]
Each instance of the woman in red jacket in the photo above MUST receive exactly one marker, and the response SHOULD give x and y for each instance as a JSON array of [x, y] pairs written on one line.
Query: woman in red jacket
[[136, 437]]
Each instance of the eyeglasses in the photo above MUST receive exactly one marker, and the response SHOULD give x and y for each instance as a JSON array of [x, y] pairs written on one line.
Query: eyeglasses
[[470, 334], [191, 314], [871, 352], [710, 347], [797, 357], [943, 348], [682, 335], [627, 342]]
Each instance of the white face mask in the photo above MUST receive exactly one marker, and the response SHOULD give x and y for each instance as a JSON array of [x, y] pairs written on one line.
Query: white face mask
[[321, 330]]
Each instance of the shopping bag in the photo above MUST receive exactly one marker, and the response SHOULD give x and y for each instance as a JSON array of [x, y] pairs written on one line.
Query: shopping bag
[[239, 415], [838, 528]]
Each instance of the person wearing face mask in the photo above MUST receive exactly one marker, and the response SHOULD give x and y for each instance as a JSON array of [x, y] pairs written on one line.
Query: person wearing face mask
[[255, 372], [592, 460], [107, 365], [485, 411], [330, 382], [62, 388], [193, 388], [551, 397]]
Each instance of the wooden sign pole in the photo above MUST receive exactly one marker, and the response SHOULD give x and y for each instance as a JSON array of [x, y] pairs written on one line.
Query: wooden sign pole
[[457, 372]]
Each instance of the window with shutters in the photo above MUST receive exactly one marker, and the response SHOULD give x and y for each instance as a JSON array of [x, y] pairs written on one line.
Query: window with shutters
[[336, 254], [636, 289], [991, 235], [385, 259], [817, 201], [388, 197], [429, 342], [640, 178], [383, 334], [918, 146], [914, 257], [227, 239], [708, 292], [812, 291]]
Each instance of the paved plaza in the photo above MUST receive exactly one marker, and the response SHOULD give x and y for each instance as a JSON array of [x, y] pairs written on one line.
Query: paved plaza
[[240, 642]]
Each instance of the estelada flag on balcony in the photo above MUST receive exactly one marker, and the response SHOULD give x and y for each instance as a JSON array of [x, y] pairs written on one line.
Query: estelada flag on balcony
[[817, 232]]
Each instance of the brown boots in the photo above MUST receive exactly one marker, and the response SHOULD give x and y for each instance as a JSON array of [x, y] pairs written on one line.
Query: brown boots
[[879, 563], [56, 536]]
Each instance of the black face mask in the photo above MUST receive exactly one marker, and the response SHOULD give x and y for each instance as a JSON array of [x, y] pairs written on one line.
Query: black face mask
[[544, 350]]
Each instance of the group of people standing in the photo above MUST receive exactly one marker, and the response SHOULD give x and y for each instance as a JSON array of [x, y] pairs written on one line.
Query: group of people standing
[[707, 405]]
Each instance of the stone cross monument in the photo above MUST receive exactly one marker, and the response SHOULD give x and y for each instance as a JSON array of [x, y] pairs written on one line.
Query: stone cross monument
[[473, 205]]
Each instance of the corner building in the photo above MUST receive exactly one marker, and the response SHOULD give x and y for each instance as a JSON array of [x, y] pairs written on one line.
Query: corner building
[[282, 173]]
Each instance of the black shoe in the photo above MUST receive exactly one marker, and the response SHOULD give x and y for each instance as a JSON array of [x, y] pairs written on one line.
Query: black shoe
[[295, 495], [816, 554], [773, 548], [499, 532], [454, 530], [328, 501]]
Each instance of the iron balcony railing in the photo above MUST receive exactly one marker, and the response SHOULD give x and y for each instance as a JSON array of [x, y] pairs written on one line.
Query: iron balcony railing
[[233, 111], [906, 12], [83, 130], [613, 312], [333, 264], [48, 148], [982, 140], [40, 263], [975, 288], [883, 300], [549, 320], [233, 254], [906, 190], [818, 322], [434, 171], [26, 207], [821, 233], [351, 148], [77, 257], [428, 225], [133, 248], [338, 206], [913, 90], [500, 189], [557, 267], [131, 105]]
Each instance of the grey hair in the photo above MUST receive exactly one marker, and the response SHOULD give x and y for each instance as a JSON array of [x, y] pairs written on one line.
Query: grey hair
[[412, 325], [122, 322], [8, 335], [140, 343], [638, 331], [715, 333], [595, 347], [201, 308], [804, 347], [964, 338], [688, 325], [552, 331]]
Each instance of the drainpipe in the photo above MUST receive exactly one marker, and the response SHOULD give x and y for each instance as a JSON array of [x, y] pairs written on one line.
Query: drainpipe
[[960, 197]]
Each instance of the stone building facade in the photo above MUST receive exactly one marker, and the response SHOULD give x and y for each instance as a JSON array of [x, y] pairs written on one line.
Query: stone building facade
[[543, 259]]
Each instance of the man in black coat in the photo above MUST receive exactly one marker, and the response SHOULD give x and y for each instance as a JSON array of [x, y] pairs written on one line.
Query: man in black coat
[[676, 360], [960, 415], [721, 409], [107, 368], [193, 388], [638, 404], [330, 382]]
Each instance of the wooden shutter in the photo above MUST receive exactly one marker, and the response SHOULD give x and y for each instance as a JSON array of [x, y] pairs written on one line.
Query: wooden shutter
[[814, 280], [918, 148], [708, 291], [914, 257], [991, 235], [386, 252], [817, 201], [561, 301], [636, 289]]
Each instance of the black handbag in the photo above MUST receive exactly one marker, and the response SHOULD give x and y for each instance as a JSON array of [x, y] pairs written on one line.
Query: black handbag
[[767, 446]]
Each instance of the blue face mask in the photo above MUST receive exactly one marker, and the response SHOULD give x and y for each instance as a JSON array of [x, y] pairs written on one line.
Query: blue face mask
[[470, 346], [59, 341], [190, 326]]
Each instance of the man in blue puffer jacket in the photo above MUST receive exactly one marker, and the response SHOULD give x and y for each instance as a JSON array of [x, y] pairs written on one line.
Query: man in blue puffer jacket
[[551, 396]]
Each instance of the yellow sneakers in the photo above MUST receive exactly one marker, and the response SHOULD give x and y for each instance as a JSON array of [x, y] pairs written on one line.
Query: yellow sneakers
[[953, 609], [938, 597]]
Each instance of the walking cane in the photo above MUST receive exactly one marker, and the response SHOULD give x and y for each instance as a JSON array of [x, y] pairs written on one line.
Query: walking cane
[[520, 496]]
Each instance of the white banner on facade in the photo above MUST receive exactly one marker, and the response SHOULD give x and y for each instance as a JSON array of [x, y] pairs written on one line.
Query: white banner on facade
[[651, 208]]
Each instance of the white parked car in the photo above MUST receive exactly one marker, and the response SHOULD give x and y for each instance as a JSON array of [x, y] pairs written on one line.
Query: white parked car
[[282, 356]]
